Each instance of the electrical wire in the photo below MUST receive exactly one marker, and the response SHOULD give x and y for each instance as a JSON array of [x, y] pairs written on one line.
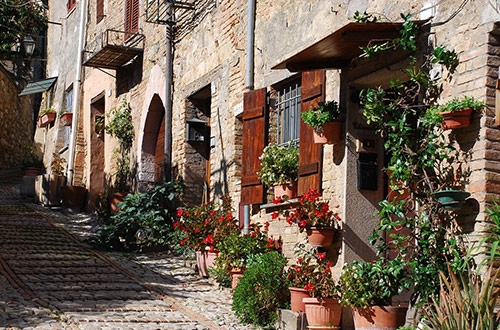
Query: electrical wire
[[15, 6]]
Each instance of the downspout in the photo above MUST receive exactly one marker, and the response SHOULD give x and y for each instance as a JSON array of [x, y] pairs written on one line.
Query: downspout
[[76, 91], [249, 82], [168, 94]]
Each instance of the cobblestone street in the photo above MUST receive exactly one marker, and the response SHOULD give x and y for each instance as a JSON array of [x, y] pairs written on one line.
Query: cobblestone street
[[50, 280]]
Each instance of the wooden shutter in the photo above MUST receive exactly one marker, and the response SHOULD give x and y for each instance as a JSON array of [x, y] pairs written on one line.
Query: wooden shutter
[[131, 16], [100, 10], [70, 4], [255, 129], [311, 154]]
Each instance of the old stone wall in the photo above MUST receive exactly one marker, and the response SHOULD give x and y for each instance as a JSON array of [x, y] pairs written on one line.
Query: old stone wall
[[16, 123]]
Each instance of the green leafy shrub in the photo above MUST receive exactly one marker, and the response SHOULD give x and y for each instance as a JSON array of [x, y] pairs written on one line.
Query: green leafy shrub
[[323, 113], [144, 219], [365, 284], [279, 164], [457, 104], [262, 290]]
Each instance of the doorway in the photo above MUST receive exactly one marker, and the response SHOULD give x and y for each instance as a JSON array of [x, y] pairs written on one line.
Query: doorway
[[97, 142]]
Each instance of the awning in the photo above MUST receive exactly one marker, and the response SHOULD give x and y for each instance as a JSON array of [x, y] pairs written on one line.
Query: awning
[[38, 87], [338, 49]]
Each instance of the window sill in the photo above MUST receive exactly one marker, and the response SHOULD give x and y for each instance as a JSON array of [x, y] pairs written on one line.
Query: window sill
[[289, 202]]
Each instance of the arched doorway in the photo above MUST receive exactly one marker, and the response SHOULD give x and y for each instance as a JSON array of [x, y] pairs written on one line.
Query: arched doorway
[[152, 157]]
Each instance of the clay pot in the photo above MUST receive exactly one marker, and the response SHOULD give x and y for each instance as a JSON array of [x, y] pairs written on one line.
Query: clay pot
[[320, 237], [330, 133], [236, 274], [296, 296], [47, 118], [32, 171], [456, 119], [322, 313], [115, 199], [289, 189], [66, 119], [73, 197], [204, 260], [379, 317]]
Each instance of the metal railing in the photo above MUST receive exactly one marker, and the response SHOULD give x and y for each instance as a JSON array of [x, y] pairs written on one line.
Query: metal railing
[[116, 38]]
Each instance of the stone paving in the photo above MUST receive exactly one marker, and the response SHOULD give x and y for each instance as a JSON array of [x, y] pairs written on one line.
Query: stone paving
[[50, 280]]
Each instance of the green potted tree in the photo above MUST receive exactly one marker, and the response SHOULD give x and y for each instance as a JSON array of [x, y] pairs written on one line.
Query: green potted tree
[[65, 117], [315, 217], [456, 113], [280, 168], [368, 288], [46, 117], [324, 118]]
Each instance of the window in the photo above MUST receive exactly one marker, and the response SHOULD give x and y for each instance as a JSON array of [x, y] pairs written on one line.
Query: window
[[131, 17], [69, 107], [288, 108], [70, 4], [100, 10]]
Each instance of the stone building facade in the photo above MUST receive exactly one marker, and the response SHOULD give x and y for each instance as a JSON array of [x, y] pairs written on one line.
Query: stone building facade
[[209, 72], [16, 123]]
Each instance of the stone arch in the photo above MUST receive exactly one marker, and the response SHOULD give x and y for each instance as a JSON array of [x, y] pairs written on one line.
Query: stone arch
[[152, 124]]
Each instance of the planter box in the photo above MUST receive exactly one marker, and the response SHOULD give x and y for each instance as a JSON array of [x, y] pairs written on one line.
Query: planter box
[[456, 119], [320, 237], [66, 119], [322, 313], [330, 133], [47, 119], [379, 317]]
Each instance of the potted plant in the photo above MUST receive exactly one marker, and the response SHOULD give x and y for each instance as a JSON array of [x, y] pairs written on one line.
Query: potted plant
[[368, 288], [322, 306], [33, 164], [280, 168], [46, 117], [456, 113], [315, 217], [65, 117], [50, 188], [324, 119]]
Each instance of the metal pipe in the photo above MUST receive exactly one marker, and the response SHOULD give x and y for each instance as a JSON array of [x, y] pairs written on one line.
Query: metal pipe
[[246, 218], [167, 163], [250, 45], [76, 91]]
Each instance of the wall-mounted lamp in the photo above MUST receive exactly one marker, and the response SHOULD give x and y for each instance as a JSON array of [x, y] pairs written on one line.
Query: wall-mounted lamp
[[29, 46]]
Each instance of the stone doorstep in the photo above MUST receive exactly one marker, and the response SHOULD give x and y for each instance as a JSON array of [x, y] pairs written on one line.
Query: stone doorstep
[[289, 320]]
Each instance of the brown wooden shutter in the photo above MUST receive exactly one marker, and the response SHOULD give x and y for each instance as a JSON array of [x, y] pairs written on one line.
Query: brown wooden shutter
[[100, 10], [134, 19], [255, 129], [311, 154]]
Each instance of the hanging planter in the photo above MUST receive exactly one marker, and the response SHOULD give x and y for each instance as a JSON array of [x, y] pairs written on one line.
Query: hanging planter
[[451, 199], [456, 113], [324, 119], [322, 313], [320, 236], [288, 189], [66, 118], [379, 317], [296, 299], [46, 118], [329, 133]]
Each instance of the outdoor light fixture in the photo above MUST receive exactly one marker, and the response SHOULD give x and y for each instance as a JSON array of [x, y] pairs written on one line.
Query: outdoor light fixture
[[29, 45]]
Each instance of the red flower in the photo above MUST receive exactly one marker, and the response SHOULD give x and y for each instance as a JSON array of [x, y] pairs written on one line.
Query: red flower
[[277, 200], [205, 222], [269, 245], [212, 213], [196, 230], [229, 217], [198, 213], [309, 287], [221, 218], [175, 224], [303, 223], [330, 264], [211, 248], [254, 234], [321, 256], [210, 238], [181, 242], [275, 215], [270, 240], [267, 224], [325, 207], [298, 269], [317, 213], [179, 212], [337, 216]]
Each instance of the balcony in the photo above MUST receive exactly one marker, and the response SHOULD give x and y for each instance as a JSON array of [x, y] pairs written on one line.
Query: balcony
[[113, 49]]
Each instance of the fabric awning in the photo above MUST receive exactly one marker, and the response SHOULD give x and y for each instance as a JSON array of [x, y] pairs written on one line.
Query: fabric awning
[[338, 49], [38, 86]]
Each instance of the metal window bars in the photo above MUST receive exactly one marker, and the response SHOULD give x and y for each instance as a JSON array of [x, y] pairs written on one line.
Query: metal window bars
[[288, 108]]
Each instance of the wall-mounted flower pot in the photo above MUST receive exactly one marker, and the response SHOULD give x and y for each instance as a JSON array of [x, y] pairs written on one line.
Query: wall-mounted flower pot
[[451, 199], [66, 118], [379, 317], [236, 274], [73, 198], [115, 199], [47, 119], [296, 297], [322, 313], [289, 189], [456, 119], [320, 236], [330, 133]]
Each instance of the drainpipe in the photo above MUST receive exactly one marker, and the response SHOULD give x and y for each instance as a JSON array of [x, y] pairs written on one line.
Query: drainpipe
[[168, 95], [249, 81], [76, 91]]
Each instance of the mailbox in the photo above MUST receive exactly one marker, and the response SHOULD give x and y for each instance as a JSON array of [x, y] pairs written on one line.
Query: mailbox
[[367, 171], [195, 130]]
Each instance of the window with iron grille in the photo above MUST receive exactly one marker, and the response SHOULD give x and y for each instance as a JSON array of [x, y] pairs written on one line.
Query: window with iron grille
[[288, 108]]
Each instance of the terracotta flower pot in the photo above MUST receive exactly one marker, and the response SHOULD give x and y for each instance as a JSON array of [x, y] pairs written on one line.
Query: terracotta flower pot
[[32, 171], [289, 189], [322, 237], [204, 260], [456, 119], [47, 118], [296, 296], [115, 199], [379, 317], [322, 313], [66, 119], [330, 133], [236, 274]]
